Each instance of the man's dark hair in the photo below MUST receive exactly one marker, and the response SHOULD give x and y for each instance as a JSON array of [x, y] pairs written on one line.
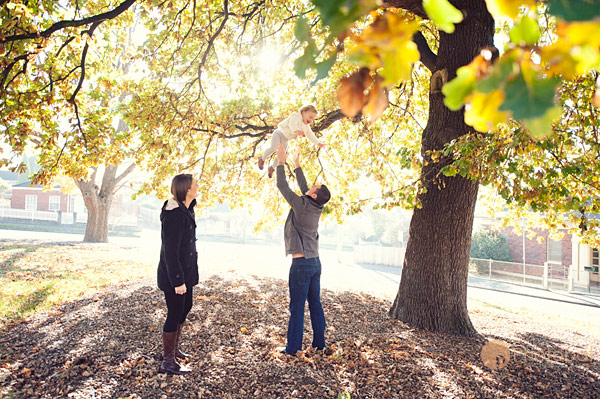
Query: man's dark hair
[[180, 186], [323, 195]]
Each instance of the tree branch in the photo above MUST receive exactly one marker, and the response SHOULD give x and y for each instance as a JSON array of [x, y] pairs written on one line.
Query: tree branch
[[428, 58], [414, 6], [124, 174], [73, 23], [211, 42], [231, 136], [9, 67], [327, 120], [90, 32]]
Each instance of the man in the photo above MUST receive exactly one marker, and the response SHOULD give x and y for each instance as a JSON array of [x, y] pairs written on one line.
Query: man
[[302, 242]]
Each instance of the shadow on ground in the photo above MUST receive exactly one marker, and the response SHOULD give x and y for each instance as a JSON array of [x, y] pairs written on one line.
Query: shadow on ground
[[107, 346]]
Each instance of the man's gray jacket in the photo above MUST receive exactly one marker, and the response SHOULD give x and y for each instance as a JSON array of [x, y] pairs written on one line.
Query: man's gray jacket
[[301, 227]]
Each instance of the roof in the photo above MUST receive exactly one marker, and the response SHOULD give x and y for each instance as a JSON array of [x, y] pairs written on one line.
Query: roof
[[27, 184]]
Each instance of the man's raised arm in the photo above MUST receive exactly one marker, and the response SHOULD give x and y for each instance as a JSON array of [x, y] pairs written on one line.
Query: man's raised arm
[[290, 196], [299, 173]]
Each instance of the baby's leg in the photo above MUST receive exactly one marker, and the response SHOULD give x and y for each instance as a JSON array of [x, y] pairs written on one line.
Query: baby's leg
[[283, 140], [275, 139]]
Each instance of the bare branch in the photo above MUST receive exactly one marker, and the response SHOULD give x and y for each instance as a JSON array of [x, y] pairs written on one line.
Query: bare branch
[[73, 23], [428, 58]]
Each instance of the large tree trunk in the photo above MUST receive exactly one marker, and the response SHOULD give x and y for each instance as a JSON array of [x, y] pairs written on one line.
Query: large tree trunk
[[98, 200], [433, 288]]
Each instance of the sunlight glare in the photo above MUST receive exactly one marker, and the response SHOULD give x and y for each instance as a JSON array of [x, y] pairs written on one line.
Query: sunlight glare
[[268, 61]]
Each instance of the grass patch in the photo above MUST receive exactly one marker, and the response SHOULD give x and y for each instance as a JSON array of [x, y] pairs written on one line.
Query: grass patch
[[36, 278], [65, 229]]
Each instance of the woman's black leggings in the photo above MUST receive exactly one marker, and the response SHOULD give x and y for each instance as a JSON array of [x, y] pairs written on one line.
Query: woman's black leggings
[[178, 307]]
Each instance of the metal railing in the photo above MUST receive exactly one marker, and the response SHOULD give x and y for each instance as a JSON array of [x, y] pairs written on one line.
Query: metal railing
[[549, 275]]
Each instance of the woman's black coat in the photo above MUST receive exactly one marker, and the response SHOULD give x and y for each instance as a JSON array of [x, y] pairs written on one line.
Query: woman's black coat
[[178, 257]]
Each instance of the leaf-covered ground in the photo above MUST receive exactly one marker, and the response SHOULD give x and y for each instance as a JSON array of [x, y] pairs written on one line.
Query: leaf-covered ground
[[106, 344]]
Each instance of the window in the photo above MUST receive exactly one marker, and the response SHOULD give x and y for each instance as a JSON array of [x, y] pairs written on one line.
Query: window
[[595, 257], [554, 251], [31, 202], [54, 204]]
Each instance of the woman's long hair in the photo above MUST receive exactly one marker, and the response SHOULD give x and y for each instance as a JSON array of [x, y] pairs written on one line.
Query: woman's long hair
[[180, 186]]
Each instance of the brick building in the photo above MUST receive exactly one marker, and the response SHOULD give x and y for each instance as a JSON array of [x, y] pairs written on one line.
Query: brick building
[[28, 197], [536, 253]]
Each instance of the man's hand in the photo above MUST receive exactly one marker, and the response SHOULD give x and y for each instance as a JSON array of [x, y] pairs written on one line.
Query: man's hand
[[281, 154], [296, 157]]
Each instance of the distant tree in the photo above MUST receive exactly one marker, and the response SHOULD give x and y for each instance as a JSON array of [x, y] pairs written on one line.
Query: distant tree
[[486, 244]]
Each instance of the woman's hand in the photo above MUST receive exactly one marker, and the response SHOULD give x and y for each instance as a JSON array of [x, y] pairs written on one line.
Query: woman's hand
[[181, 289]]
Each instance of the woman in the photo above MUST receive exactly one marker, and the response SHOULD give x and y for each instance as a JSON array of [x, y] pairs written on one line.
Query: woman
[[178, 266]]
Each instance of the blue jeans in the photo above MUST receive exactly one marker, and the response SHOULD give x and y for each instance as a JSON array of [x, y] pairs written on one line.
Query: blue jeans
[[305, 283]]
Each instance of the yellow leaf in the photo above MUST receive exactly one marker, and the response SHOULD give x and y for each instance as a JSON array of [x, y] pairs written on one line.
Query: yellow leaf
[[387, 43], [482, 111], [558, 59], [576, 51], [397, 64], [510, 8]]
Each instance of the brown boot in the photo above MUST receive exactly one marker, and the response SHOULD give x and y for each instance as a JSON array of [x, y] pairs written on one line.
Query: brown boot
[[271, 170], [179, 354], [261, 163], [169, 364]]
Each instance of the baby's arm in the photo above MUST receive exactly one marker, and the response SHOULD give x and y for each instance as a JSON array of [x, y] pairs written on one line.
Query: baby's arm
[[313, 139]]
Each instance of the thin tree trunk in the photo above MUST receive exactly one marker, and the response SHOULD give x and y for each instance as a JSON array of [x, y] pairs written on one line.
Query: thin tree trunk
[[433, 288]]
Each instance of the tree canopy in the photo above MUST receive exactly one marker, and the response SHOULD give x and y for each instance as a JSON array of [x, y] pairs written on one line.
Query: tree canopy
[[201, 85]]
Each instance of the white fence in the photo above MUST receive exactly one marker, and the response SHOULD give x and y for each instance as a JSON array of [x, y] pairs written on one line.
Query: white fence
[[11, 213], [47, 216]]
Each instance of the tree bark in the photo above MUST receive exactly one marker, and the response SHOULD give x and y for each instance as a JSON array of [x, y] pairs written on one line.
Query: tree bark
[[433, 289], [98, 201]]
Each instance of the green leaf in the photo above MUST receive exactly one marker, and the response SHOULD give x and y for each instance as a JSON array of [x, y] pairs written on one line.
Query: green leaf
[[542, 127], [527, 31], [324, 67], [500, 71], [449, 170], [532, 100], [574, 10], [306, 61], [444, 14], [302, 31], [340, 14], [457, 90]]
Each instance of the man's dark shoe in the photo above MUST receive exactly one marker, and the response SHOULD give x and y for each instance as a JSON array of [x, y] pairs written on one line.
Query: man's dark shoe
[[326, 351], [283, 349]]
